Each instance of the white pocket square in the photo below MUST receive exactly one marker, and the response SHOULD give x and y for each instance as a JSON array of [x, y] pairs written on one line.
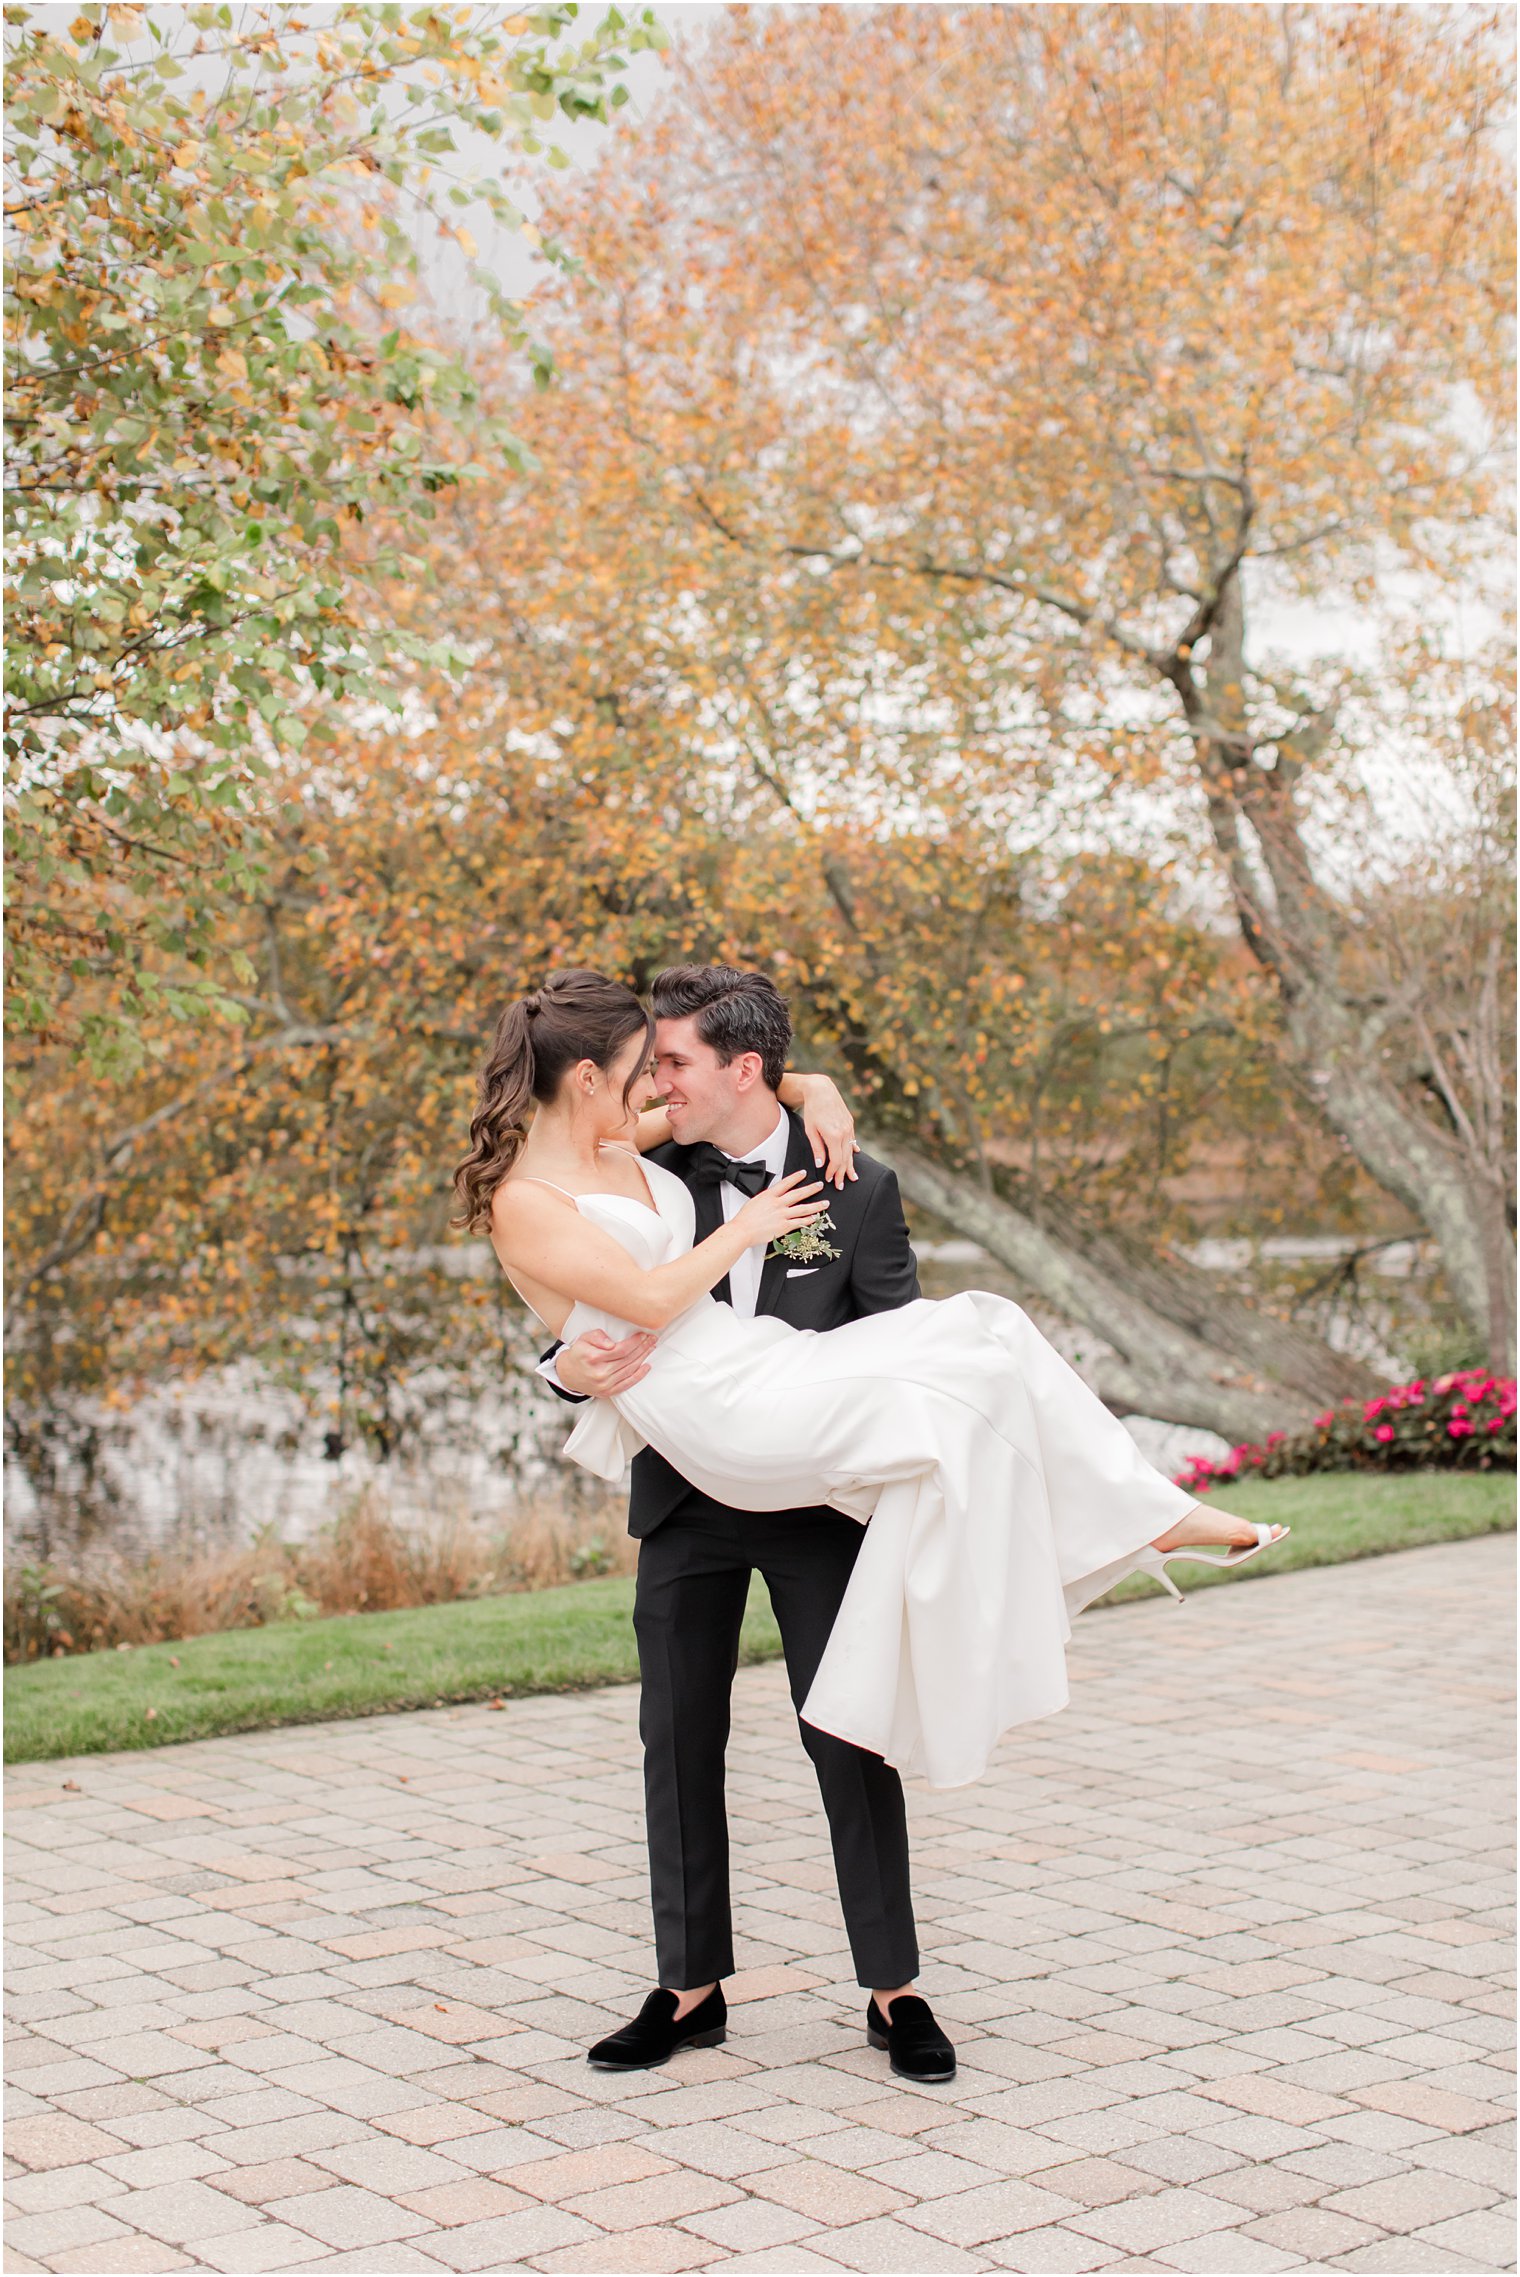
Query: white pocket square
[[799, 1272]]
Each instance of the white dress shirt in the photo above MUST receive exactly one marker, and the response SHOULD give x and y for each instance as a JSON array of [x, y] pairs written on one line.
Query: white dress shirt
[[744, 1276]]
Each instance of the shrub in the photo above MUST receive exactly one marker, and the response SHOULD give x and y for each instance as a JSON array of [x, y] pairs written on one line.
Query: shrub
[[364, 1562], [1464, 1421]]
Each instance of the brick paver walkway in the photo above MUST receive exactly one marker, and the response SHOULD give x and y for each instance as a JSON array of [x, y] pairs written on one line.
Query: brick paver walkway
[[1223, 1945]]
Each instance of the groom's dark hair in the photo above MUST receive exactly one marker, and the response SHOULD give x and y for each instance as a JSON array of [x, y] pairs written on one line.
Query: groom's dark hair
[[735, 1012]]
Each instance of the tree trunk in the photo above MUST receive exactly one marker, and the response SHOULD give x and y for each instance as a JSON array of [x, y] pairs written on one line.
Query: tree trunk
[[1185, 1350], [1299, 935]]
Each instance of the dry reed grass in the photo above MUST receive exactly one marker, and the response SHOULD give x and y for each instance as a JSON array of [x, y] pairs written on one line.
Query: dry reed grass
[[364, 1562]]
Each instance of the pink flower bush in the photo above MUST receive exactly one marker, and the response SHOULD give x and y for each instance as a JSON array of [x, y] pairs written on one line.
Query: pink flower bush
[[1465, 1420]]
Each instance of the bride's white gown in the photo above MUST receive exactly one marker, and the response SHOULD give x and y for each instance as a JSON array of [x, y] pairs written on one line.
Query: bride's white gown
[[1001, 1493]]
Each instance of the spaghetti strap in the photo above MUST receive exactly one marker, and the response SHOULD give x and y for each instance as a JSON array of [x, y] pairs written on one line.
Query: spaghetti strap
[[527, 1178]]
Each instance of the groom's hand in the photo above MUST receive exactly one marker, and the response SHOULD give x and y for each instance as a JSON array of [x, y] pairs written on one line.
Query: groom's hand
[[598, 1367]]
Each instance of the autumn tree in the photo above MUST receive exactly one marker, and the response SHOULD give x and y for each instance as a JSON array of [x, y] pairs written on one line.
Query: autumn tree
[[907, 855], [213, 228], [722, 701], [1058, 344], [281, 1193]]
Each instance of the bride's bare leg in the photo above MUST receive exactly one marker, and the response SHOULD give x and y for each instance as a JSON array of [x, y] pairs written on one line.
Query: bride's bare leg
[[1204, 1524]]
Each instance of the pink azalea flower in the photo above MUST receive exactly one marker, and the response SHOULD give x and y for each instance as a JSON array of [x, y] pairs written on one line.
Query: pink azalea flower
[[1384, 1432], [1321, 1421], [1373, 1407], [1459, 1430]]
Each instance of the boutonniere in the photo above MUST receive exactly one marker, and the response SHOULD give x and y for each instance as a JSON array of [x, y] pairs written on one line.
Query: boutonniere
[[805, 1242]]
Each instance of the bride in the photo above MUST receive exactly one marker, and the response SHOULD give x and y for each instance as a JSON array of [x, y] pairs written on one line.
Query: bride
[[1002, 1496]]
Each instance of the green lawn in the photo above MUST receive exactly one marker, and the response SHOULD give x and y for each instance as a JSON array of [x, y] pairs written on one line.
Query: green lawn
[[559, 1640]]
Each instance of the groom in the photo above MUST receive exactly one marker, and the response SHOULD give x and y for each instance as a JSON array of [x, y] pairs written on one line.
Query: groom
[[721, 1047]]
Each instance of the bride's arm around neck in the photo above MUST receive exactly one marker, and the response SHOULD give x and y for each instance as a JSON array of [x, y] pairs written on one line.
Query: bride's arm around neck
[[817, 1098]]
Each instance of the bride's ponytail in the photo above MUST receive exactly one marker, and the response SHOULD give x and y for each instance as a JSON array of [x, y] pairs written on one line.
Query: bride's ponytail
[[503, 1103], [574, 1016]]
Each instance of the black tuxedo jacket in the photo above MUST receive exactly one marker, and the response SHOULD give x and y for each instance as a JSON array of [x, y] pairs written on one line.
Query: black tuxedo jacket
[[875, 1271]]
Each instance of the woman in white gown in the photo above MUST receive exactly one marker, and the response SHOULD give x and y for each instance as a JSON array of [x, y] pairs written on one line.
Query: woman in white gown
[[1001, 1494]]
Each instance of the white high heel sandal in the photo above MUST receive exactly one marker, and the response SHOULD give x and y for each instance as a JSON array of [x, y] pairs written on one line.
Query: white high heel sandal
[[1155, 1562]]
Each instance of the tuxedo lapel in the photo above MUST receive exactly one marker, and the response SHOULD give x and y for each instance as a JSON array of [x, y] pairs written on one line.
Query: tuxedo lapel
[[799, 1156], [707, 1202]]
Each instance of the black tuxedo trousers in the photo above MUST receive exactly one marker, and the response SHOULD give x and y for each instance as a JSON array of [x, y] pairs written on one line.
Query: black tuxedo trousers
[[696, 1559], [693, 1579]]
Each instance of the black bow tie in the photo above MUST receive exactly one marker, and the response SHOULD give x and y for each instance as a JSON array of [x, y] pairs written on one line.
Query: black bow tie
[[710, 1166]]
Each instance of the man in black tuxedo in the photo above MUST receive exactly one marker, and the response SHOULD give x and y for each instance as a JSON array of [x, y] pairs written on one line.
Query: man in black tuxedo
[[721, 1049]]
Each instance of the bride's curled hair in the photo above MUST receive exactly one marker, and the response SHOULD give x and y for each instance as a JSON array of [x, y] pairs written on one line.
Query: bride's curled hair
[[571, 1016]]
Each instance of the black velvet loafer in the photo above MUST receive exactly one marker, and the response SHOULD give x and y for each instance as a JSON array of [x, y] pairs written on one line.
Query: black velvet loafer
[[917, 2047], [654, 2035]]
